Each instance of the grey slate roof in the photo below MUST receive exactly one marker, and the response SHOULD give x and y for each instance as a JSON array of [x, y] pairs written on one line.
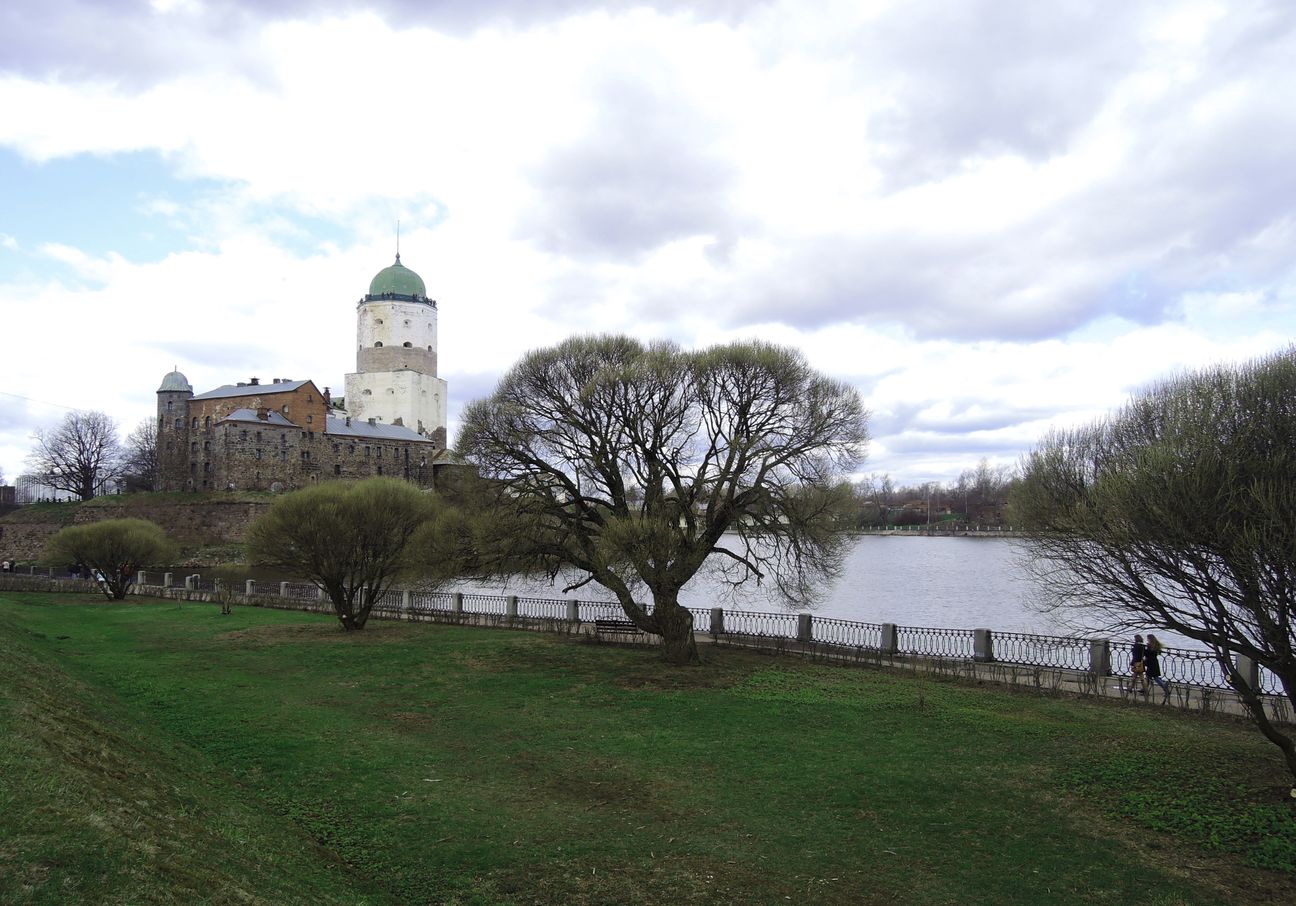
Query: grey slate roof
[[338, 427], [250, 390], [250, 415]]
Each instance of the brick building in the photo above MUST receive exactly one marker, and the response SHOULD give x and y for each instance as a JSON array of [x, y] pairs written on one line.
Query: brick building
[[288, 434]]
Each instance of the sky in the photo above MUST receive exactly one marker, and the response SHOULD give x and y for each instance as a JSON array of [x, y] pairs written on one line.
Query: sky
[[993, 217]]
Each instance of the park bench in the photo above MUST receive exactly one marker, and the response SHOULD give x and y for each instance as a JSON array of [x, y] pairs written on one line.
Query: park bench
[[615, 627]]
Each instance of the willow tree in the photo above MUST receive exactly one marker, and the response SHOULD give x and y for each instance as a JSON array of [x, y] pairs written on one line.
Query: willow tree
[[113, 550], [1179, 511], [633, 465], [352, 539]]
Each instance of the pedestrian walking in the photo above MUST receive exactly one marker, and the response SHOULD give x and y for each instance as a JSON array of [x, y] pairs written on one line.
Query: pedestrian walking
[[1152, 668], [1138, 679]]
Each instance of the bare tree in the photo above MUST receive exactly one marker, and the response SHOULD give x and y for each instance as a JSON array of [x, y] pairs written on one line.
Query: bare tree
[[78, 456], [1179, 511], [140, 457], [635, 465]]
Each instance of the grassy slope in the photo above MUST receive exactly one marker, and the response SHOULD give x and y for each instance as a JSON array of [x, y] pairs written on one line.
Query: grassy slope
[[459, 765], [98, 806]]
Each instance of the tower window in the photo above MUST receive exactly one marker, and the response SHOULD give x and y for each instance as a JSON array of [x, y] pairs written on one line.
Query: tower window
[[258, 454], [337, 470], [179, 424], [207, 423], [377, 320], [367, 393], [407, 323], [169, 405], [408, 345], [429, 349], [195, 423], [309, 419], [378, 345]]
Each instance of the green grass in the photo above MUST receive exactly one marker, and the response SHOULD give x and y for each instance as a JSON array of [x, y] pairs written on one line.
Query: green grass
[[149, 748]]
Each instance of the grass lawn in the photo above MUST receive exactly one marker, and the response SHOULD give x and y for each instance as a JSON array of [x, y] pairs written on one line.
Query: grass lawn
[[151, 752]]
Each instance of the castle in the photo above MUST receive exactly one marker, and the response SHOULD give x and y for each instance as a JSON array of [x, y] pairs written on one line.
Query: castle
[[289, 434]]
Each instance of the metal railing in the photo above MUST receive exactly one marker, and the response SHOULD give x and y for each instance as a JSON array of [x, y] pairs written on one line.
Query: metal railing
[[1178, 665]]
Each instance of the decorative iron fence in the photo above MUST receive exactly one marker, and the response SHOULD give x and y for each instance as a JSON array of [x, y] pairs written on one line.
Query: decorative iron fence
[[786, 630]]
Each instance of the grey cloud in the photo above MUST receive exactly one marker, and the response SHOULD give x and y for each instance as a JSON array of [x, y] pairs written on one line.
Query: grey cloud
[[643, 176], [128, 41]]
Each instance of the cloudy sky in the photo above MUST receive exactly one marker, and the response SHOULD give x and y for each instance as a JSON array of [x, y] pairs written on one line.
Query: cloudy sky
[[990, 216]]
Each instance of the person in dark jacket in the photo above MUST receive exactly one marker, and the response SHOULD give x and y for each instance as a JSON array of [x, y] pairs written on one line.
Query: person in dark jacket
[[1138, 651], [1152, 667]]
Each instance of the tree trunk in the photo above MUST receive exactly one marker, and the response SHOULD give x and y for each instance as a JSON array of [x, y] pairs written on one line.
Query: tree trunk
[[675, 624]]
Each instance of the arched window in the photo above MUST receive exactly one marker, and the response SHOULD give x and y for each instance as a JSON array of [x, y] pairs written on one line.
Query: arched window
[[378, 345], [377, 320], [429, 349], [169, 405], [195, 423], [309, 419], [408, 345], [179, 424], [207, 423]]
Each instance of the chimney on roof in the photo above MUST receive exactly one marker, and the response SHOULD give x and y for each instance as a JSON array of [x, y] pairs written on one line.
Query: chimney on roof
[[263, 414], [399, 421], [348, 421], [276, 380], [373, 421], [328, 398], [255, 382]]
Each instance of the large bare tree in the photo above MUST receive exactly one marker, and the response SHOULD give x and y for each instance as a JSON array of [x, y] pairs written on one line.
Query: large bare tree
[[78, 456], [1179, 511], [634, 465], [140, 457]]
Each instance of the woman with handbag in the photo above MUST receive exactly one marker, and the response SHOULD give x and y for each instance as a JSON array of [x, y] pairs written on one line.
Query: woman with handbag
[[1138, 652]]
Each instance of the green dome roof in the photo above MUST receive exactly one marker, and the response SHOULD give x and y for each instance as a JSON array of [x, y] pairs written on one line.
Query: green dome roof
[[397, 279]]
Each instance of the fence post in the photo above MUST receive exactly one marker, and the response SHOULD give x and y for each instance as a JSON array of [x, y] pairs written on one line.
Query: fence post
[[1100, 657], [573, 611], [1249, 670], [189, 583], [283, 589], [141, 578], [249, 587], [166, 580], [890, 643], [456, 602], [717, 621], [405, 604], [804, 623], [510, 606], [982, 645], [51, 572]]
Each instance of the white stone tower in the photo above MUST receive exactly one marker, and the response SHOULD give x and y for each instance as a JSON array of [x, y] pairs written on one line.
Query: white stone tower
[[396, 356]]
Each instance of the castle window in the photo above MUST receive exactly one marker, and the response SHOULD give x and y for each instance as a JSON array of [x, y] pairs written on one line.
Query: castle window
[[378, 345], [407, 323], [179, 424], [207, 423], [367, 392], [195, 423], [380, 452], [337, 448], [310, 419], [305, 455], [429, 349], [206, 467], [283, 438], [337, 470], [366, 452], [258, 437], [206, 445], [285, 410], [350, 448], [169, 405], [380, 470], [242, 435], [258, 454], [193, 447], [377, 320], [408, 345], [193, 468], [310, 436]]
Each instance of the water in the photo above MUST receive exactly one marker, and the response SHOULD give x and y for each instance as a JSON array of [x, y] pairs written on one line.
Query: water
[[959, 583]]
